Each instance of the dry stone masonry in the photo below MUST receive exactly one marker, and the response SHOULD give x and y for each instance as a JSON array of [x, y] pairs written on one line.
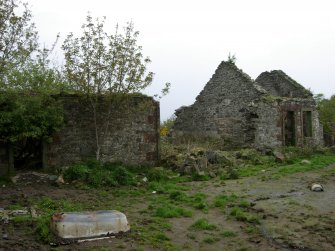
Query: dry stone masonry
[[270, 112], [128, 130]]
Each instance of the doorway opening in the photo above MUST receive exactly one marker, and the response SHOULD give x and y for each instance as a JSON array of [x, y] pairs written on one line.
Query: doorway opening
[[289, 129], [307, 123], [27, 154]]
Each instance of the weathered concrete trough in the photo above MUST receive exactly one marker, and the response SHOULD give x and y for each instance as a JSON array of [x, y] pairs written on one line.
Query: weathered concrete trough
[[76, 225]]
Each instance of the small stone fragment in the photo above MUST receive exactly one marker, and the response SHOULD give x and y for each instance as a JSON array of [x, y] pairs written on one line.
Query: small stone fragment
[[60, 180], [280, 157]]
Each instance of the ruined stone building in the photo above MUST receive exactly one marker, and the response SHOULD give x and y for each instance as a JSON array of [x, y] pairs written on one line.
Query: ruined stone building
[[272, 111], [128, 128]]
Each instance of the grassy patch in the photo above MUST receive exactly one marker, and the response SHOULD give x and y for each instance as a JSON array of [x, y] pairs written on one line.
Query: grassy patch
[[241, 215], [224, 200], [317, 161], [203, 224], [251, 170], [152, 233], [197, 201], [22, 218], [228, 233], [172, 212], [48, 207], [15, 207], [97, 174], [293, 164], [210, 240], [166, 187]]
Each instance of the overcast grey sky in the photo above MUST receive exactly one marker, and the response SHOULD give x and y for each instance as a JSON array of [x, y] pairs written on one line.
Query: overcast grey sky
[[187, 39]]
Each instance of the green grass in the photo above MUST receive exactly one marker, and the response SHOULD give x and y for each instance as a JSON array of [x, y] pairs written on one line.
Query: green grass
[[228, 233], [241, 215], [172, 212], [15, 207], [153, 234], [197, 201], [48, 207], [22, 218], [203, 224], [224, 200], [210, 240], [166, 187], [251, 170], [292, 165], [317, 161]]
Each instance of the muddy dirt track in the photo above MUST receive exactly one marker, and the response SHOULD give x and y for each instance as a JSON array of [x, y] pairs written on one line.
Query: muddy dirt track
[[291, 217]]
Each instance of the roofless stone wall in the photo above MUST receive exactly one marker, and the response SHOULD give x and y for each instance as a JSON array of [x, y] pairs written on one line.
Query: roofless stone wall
[[128, 128], [270, 112], [221, 108]]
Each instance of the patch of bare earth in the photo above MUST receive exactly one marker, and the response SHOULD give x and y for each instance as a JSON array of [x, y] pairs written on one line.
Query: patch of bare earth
[[291, 217]]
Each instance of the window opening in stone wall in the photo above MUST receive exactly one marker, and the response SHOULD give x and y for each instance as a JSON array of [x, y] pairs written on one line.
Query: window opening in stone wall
[[289, 127], [307, 123]]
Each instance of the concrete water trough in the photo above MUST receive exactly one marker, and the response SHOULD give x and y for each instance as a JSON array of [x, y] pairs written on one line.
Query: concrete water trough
[[77, 225]]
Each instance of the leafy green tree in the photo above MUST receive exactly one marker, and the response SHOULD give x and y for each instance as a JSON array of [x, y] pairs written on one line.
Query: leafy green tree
[[27, 81], [26, 115], [327, 115], [318, 98], [18, 37], [166, 126], [99, 63]]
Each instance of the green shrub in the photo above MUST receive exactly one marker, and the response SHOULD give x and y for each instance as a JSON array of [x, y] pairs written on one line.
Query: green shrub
[[98, 178], [232, 173], [94, 164], [157, 174], [111, 165], [96, 174], [198, 177], [77, 172], [123, 176]]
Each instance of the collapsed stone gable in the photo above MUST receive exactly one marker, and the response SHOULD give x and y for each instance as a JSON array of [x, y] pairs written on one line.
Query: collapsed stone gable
[[233, 108], [220, 109], [277, 83]]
